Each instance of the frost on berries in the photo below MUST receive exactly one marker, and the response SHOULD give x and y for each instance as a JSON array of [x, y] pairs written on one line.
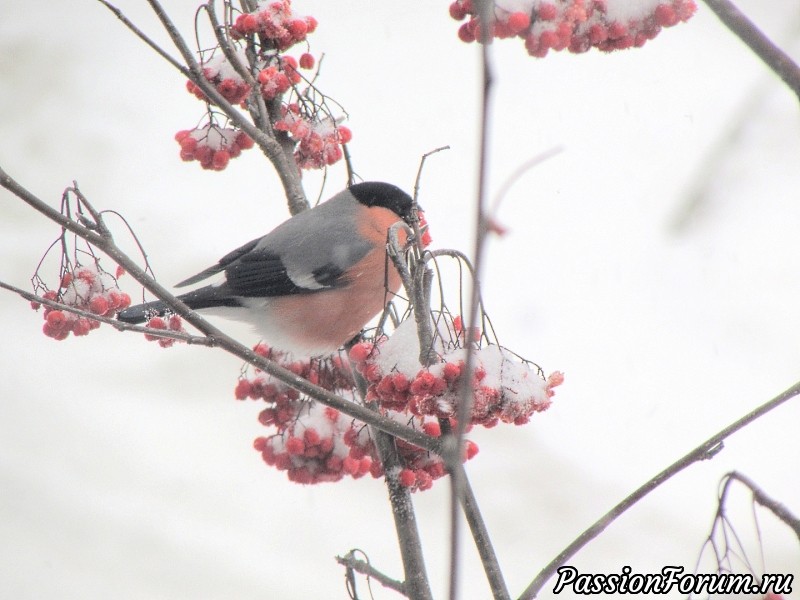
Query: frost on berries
[[88, 288], [574, 25], [503, 387]]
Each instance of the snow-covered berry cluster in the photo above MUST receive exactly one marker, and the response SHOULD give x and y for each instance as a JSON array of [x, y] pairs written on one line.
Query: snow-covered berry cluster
[[503, 387], [277, 78], [88, 288], [421, 468], [212, 146], [308, 438], [275, 21], [169, 322], [574, 25], [305, 117], [319, 141], [314, 443], [311, 448], [221, 74]]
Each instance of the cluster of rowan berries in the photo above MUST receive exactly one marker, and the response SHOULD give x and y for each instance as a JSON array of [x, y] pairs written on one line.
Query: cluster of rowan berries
[[308, 439], [88, 288], [421, 468], [319, 141], [503, 388], [223, 76], [276, 28], [212, 146], [170, 322], [275, 21], [314, 443], [575, 25]]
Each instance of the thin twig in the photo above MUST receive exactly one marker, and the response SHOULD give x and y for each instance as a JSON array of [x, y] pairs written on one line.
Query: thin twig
[[775, 58], [708, 449], [760, 497], [118, 325], [455, 449], [141, 35], [365, 568], [483, 542]]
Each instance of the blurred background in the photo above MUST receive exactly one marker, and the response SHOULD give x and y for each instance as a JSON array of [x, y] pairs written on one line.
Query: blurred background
[[654, 260]]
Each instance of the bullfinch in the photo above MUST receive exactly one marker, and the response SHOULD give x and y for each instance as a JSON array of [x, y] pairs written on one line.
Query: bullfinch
[[313, 282]]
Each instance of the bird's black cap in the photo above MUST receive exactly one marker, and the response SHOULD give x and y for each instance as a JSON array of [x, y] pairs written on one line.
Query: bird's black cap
[[378, 193]]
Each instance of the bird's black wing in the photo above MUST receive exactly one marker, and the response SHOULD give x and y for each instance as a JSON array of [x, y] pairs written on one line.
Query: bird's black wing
[[261, 273]]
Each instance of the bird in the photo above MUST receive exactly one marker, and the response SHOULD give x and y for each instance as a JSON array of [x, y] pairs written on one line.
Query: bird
[[311, 284]]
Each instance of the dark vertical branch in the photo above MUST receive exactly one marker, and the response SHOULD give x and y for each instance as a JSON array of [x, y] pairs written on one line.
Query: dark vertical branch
[[405, 521], [747, 31], [416, 585]]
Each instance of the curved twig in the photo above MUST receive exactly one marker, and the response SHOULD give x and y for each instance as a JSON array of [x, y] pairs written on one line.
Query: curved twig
[[708, 449]]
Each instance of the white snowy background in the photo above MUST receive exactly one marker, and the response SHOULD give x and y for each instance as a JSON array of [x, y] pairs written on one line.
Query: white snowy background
[[127, 471]]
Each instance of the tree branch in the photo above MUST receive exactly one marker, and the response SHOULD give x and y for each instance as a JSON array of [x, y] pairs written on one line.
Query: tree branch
[[118, 325], [760, 497], [349, 561], [747, 31], [707, 450]]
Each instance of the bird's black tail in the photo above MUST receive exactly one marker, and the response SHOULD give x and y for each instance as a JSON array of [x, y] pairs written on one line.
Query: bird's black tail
[[206, 297], [141, 312]]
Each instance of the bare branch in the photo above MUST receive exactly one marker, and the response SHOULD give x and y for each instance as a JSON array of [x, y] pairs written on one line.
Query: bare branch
[[708, 449], [760, 497], [747, 31], [364, 567], [141, 35], [118, 325], [454, 451]]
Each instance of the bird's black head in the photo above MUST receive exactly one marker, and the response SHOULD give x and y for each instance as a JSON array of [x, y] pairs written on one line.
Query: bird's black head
[[377, 193]]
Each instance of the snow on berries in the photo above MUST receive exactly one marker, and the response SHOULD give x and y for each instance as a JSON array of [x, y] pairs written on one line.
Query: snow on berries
[[168, 322], [314, 443], [574, 25], [307, 439], [259, 40], [223, 76], [503, 387], [319, 141], [275, 21], [88, 288], [212, 146]]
